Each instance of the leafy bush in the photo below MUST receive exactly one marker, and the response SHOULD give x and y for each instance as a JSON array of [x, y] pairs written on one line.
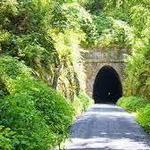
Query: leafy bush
[[37, 113], [10, 71], [81, 20], [144, 117], [81, 103], [45, 35], [132, 103], [94, 6], [3, 90], [85, 100], [57, 112], [78, 106], [119, 35], [102, 22], [18, 113], [7, 137], [138, 70]]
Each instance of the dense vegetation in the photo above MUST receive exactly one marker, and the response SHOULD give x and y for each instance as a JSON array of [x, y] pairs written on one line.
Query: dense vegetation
[[137, 73], [37, 114], [126, 24], [40, 55], [41, 68]]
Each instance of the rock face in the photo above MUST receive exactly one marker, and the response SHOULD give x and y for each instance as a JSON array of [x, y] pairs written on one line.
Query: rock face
[[98, 58]]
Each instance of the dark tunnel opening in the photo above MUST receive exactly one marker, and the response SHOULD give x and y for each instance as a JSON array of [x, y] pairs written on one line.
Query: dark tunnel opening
[[107, 86]]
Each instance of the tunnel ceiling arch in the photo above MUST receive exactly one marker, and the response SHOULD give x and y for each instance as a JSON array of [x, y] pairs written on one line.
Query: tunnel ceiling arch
[[107, 87]]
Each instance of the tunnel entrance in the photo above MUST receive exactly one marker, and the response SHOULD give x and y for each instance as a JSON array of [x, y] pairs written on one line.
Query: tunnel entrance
[[107, 86]]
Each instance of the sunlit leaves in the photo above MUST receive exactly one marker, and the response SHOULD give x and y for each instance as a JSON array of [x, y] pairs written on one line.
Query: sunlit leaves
[[37, 113]]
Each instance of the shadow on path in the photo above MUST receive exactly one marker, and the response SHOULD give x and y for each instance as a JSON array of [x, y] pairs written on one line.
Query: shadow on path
[[107, 127]]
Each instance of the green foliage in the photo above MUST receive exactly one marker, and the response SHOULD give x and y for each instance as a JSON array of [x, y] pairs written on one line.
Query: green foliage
[[11, 68], [119, 35], [137, 71], [42, 34], [10, 71], [102, 22], [94, 6], [132, 26], [138, 63], [80, 19], [132, 103], [57, 111], [81, 103], [38, 114], [110, 30], [46, 37], [3, 90], [78, 106], [19, 114], [41, 38], [140, 106], [144, 117], [7, 136], [85, 100]]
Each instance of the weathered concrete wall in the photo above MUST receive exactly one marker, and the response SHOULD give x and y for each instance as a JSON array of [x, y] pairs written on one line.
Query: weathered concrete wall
[[96, 59]]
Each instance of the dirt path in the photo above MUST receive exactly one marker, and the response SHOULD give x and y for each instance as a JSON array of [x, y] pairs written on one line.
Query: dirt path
[[107, 127]]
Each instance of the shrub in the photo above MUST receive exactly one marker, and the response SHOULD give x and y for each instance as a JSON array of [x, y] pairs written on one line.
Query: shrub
[[137, 80], [37, 113], [132, 103], [42, 104], [11, 70], [45, 35], [144, 117], [85, 100], [81, 103], [7, 136], [94, 6], [78, 106], [102, 22], [19, 114], [78, 18], [57, 112]]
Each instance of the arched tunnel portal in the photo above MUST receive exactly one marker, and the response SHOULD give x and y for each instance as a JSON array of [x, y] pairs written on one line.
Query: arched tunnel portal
[[107, 86]]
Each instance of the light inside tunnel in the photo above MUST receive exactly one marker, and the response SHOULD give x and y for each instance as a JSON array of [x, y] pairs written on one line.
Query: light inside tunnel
[[107, 86]]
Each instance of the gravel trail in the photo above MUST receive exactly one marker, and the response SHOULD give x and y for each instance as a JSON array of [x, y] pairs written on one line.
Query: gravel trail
[[107, 127]]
